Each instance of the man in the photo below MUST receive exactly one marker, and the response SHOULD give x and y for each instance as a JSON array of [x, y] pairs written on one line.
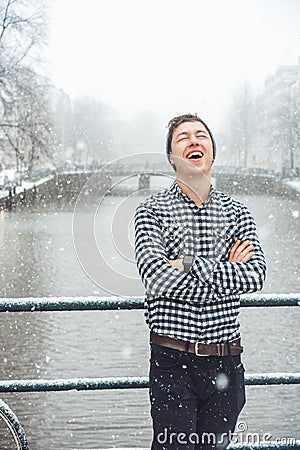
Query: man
[[197, 250]]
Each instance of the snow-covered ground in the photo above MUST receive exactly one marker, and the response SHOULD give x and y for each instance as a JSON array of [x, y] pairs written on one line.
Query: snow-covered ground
[[26, 185], [294, 184]]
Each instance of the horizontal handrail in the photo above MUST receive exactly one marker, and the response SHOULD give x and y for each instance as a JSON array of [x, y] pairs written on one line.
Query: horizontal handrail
[[135, 303], [116, 303], [86, 384]]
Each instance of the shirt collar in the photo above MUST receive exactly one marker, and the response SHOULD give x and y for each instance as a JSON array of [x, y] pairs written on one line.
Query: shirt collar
[[175, 189]]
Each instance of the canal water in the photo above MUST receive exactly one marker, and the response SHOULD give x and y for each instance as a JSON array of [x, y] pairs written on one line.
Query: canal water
[[39, 259]]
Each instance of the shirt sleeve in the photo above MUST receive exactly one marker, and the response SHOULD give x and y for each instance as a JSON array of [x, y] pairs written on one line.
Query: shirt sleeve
[[235, 277], [158, 276]]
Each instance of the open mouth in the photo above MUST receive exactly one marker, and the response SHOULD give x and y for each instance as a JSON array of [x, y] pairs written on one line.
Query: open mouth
[[196, 154]]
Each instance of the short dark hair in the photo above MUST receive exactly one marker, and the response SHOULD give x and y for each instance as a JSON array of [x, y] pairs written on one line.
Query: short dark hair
[[176, 121]]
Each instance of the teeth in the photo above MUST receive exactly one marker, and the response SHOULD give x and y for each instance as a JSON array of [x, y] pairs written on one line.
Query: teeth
[[193, 154]]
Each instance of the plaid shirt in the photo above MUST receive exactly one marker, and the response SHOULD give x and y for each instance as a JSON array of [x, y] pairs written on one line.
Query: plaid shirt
[[203, 304]]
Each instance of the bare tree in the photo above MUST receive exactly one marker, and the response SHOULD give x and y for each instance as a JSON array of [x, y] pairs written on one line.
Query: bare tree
[[241, 124], [292, 127], [24, 104], [28, 128], [91, 138], [22, 32]]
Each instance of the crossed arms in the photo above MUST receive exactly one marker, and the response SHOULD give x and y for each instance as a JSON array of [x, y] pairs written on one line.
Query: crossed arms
[[241, 251], [243, 272]]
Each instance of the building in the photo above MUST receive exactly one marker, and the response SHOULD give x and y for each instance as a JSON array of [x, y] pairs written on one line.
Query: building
[[276, 127]]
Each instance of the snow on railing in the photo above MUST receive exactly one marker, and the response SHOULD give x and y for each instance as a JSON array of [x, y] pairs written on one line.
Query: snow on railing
[[87, 384], [116, 303]]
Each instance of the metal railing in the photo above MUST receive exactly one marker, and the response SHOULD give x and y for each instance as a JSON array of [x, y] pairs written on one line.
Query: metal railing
[[134, 303], [112, 303]]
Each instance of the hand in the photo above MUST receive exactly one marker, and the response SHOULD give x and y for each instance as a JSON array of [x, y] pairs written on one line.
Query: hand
[[178, 263], [241, 251]]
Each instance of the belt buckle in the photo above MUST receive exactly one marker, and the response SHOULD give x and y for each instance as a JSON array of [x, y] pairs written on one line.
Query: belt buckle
[[197, 349], [221, 349]]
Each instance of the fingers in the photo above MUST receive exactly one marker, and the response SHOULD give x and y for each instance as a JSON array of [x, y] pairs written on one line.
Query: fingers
[[234, 247], [234, 251], [241, 251]]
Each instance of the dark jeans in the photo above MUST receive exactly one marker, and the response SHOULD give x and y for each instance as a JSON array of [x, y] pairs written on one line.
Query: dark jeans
[[195, 400]]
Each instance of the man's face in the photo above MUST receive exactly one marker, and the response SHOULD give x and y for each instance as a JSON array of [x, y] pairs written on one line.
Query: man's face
[[192, 148]]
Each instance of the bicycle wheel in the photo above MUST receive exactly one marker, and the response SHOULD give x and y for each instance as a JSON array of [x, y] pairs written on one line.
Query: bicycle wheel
[[12, 436]]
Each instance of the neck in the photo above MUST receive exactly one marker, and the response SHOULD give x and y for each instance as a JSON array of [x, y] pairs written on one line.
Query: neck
[[197, 188]]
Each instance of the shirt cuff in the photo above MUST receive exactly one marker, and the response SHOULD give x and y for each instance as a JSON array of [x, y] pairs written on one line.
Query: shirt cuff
[[202, 268]]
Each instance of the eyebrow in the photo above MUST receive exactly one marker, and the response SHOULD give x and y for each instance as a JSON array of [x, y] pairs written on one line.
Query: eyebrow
[[186, 133]]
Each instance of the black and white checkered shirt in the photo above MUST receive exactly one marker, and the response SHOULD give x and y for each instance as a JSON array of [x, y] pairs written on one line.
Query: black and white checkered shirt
[[203, 304]]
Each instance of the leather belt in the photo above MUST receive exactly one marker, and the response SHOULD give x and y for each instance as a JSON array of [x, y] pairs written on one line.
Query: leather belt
[[198, 348]]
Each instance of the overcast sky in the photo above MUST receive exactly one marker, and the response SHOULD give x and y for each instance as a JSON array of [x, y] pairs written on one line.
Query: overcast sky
[[169, 56]]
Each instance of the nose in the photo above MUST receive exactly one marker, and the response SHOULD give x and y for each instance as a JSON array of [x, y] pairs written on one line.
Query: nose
[[193, 139]]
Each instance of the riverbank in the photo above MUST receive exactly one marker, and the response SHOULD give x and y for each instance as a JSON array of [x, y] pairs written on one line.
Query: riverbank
[[20, 196], [62, 190]]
